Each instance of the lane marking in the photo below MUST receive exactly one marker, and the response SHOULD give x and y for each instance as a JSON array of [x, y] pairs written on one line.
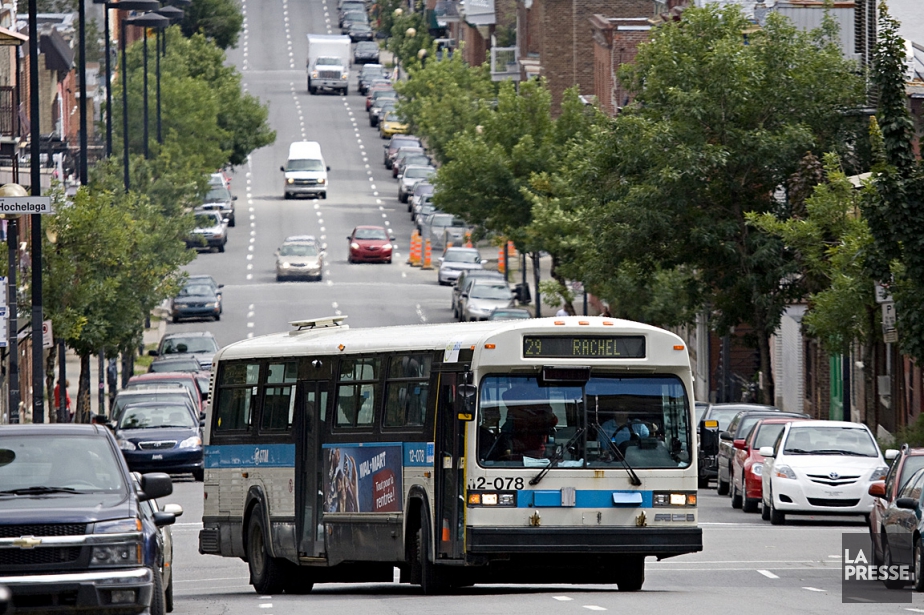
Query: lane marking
[[815, 589], [593, 607], [562, 598], [768, 574]]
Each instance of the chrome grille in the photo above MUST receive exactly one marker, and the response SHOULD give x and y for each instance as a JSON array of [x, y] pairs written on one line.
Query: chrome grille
[[157, 445], [329, 74], [836, 481]]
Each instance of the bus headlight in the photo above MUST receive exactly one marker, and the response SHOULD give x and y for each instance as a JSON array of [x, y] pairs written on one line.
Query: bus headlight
[[666, 498], [492, 498]]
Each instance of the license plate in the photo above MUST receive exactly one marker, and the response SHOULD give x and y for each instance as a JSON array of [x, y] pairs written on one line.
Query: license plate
[[157, 456]]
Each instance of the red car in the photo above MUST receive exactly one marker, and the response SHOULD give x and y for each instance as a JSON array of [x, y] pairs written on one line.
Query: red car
[[906, 462], [370, 244], [748, 463]]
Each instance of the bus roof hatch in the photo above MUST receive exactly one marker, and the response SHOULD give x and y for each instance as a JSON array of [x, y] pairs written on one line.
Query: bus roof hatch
[[319, 323]]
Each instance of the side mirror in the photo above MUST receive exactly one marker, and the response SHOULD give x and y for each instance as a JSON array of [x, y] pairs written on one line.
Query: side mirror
[[440, 260], [155, 485], [283, 169], [162, 518], [484, 261], [740, 444], [906, 503], [891, 454], [233, 197], [877, 489], [174, 509], [152, 353], [465, 295], [328, 168], [202, 416], [726, 436], [221, 286], [767, 452], [276, 253], [349, 238]]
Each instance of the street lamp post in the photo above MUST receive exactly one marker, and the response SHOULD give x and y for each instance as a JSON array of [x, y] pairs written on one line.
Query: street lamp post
[[35, 153], [156, 22]]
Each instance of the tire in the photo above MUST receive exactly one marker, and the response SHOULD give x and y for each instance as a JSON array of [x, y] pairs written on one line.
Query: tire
[[764, 511], [168, 596], [749, 505], [221, 248], [324, 195], [299, 581], [721, 487], [916, 562], [345, 91], [217, 317], [158, 599], [175, 319], [198, 476], [431, 581], [286, 196], [776, 517], [388, 262], [887, 560], [703, 482], [267, 574], [736, 499], [631, 574]]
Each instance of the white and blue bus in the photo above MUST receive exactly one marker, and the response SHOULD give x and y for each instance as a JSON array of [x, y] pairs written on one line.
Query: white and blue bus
[[556, 450]]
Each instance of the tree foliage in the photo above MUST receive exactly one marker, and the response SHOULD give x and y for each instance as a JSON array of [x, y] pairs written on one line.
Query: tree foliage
[[220, 21]]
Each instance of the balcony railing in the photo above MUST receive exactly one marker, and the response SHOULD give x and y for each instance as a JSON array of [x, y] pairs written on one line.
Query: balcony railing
[[9, 112], [504, 64]]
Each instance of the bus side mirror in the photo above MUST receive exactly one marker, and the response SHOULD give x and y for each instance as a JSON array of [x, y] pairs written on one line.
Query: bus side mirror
[[467, 394]]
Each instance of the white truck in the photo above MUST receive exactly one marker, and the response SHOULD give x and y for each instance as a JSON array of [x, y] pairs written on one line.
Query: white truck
[[328, 63]]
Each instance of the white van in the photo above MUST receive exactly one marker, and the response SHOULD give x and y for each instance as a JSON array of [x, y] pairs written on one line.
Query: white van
[[305, 171]]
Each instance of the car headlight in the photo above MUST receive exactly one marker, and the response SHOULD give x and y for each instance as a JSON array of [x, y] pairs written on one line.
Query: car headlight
[[345, 76], [126, 445], [125, 553], [322, 181], [387, 246], [784, 471], [354, 245], [211, 304], [314, 74], [191, 442], [290, 181], [879, 473], [757, 469], [285, 265]]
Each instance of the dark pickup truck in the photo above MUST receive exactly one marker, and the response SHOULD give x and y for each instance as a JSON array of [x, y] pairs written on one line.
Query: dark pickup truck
[[71, 533]]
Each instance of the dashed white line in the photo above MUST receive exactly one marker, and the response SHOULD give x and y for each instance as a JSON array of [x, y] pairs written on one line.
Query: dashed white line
[[814, 589], [562, 598], [768, 574], [593, 607]]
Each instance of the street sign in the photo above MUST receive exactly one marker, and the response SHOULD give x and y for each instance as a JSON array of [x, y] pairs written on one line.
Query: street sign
[[4, 329], [3, 285], [48, 339], [883, 293], [25, 205], [889, 333]]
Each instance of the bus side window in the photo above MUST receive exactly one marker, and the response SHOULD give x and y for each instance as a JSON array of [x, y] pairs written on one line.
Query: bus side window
[[279, 401], [237, 392], [358, 392], [407, 390]]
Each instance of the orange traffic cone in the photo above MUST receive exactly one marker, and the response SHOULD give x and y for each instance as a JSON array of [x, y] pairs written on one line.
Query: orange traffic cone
[[426, 258], [468, 239], [414, 257], [501, 263]]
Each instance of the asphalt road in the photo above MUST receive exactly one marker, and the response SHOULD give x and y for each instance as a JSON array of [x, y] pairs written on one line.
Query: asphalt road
[[747, 564]]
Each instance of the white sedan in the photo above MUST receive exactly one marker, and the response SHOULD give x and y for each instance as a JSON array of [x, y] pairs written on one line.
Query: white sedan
[[820, 468]]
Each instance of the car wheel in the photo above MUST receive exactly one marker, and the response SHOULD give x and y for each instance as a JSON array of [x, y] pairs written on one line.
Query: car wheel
[[388, 262], [703, 482], [267, 574], [168, 596], [287, 196], [217, 317], [158, 606], [175, 319], [431, 581], [324, 195], [776, 517], [887, 560], [221, 248], [231, 221], [917, 563], [749, 505], [721, 487], [735, 495]]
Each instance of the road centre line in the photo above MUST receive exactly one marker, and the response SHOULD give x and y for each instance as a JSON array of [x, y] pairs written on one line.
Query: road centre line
[[562, 598], [815, 589], [768, 574]]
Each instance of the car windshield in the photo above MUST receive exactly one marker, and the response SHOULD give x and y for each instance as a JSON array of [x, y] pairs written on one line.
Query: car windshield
[[217, 194], [180, 345], [175, 365], [462, 256], [207, 220], [412, 160], [441, 220], [298, 249], [186, 383], [723, 415], [122, 401], [370, 233], [49, 462], [396, 144], [384, 104], [767, 434], [851, 441], [527, 423], [150, 417], [912, 464], [489, 291], [305, 164], [391, 116], [404, 152], [328, 62], [384, 93], [196, 290], [426, 209], [417, 173]]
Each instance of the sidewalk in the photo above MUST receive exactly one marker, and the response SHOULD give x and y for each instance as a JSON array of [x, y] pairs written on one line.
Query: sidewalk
[[72, 367]]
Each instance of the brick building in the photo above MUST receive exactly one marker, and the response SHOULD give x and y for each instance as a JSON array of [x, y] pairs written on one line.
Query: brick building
[[616, 41]]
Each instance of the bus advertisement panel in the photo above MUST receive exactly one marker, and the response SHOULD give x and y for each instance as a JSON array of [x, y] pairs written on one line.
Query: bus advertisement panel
[[362, 479]]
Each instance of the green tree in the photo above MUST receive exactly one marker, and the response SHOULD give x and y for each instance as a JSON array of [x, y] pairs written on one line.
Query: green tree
[[219, 21], [723, 115], [895, 206]]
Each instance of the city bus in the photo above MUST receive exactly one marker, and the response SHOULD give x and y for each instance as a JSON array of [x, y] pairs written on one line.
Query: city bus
[[555, 450]]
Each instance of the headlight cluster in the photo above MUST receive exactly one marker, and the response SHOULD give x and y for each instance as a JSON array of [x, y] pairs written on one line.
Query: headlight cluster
[[121, 554], [191, 442], [665, 498], [492, 498], [879, 473], [757, 469], [784, 471], [354, 245], [322, 181], [127, 445]]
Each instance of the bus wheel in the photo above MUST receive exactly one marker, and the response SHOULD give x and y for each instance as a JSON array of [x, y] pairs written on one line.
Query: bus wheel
[[298, 581], [631, 574], [431, 581], [267, 574]]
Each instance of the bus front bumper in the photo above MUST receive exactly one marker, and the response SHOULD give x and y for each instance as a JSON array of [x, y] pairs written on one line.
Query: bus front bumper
[[656, 541]]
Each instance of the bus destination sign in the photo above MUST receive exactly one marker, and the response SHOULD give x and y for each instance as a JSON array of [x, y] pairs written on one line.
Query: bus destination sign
[[584, 346]]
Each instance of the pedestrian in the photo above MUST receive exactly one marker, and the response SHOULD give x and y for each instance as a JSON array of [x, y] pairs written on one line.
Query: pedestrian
[[67, 401], [562, 312]]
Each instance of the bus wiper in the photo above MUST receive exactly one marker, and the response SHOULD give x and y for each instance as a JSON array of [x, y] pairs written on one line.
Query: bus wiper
[[558, 456], [634, 479]]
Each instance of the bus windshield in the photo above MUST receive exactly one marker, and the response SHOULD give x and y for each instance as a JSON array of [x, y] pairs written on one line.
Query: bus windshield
[[642, 419]]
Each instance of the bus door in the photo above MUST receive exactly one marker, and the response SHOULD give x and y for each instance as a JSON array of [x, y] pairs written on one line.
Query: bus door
[[313, 402], [448, 530]]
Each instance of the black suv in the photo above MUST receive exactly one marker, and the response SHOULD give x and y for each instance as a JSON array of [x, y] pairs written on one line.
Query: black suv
[[72, 536]]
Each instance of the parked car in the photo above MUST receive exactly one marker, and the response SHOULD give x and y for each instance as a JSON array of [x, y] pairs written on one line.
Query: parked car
[[423, 211], [220, 199], [149, 517], [379, 108], [901, 533], [163, 437], [397, 142], [379, 90], [348, 18], [369, 71], [405, 152], [188, 380], [185, 363], [211, 231], [201, 344], [412, 160], [737, 428], [748, 463], [392, 124], [299, 257], [421, 190], [820, 468], [208, 280], [347, 6], [483, 296], [714, 421], [162, 392], [69, 499], [510, 313], [456, 260], [365, 52], [442, 229], [466, 279], [409, 178], [359, 31], [195, 301], [905, 463], [370, 244]]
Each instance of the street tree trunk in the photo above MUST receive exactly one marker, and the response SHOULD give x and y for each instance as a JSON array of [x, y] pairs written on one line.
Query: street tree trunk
[[767, 392], [50, 361], [82, 414]]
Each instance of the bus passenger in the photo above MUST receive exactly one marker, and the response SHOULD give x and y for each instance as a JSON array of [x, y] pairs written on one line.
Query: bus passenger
[[529, 423]]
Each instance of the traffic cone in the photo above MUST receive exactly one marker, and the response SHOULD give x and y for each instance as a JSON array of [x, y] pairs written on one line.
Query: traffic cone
[[426, 258], [501, 264], [468, 239], [414, 257]]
